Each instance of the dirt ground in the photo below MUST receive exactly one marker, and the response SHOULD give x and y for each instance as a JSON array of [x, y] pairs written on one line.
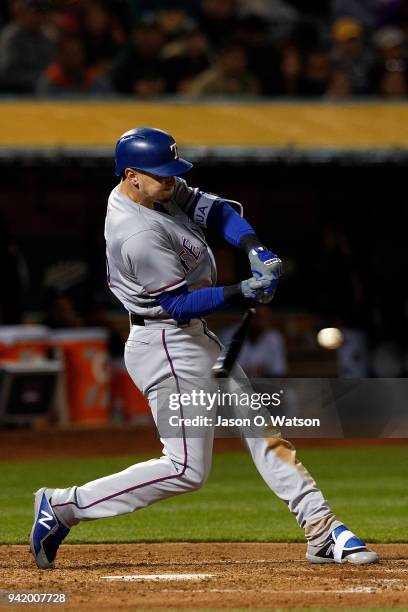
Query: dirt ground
[[77, 442], [233, 575], [221, 575]]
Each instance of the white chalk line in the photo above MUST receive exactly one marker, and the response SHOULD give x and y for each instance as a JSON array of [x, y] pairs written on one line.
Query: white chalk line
[[198, 577], [368, 590], [186, 577], [157, 577]]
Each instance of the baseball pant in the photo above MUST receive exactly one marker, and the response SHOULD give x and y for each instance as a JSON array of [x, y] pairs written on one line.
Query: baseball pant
[[163, 358]]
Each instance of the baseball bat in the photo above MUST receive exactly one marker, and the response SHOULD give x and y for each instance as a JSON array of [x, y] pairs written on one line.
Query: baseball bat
[[229, 355]]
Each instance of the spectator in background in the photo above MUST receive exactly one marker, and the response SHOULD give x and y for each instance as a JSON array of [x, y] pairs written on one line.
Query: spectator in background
[[316, 74], [263, 58], [149, 85], [390, 48], [280, 15], [217, 20], [97, 315], [25, 48], [338, 295], [174, 22], [290, 70], [390, 70], [14, 278], [393, 85], [64, 18], [142, 7], [339, 85], [59, 311], [101, 34], [331, 259], [274, 11], [189, 58], [353, 357], [364, 11], [307, 36], [350, 56], [229, 76], [264, 352], [139, 68], [69, 74]]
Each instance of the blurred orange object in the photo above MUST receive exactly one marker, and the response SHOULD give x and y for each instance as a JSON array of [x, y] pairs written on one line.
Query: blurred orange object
[[24, 343], [85, 354], [346, 28], [127, 399]]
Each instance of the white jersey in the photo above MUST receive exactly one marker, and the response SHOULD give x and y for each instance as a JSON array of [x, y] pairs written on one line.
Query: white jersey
[[150, 251]]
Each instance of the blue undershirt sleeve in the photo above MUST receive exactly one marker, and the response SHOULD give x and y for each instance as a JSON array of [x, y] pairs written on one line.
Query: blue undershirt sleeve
[[183, 305], [223, 219]]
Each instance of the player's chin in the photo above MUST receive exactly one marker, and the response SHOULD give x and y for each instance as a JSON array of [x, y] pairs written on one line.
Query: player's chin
[[166, 193]]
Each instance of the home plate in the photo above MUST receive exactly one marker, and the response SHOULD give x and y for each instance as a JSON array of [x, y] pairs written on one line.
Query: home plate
[[157, 577]]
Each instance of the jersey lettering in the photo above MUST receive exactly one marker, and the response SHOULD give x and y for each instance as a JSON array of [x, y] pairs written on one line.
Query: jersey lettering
[[183, 255], [203, 207], [200, 214], [193, 250], [189, 255]]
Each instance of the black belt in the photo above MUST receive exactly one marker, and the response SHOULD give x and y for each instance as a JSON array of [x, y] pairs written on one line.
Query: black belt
[[139, 320], [136, 319]]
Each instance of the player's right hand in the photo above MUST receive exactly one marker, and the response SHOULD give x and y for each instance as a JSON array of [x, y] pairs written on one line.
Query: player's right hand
[[252, 288], [267, 295]]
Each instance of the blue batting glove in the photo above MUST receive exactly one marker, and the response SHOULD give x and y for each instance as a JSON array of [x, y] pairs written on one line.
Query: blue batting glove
[[265, 264]]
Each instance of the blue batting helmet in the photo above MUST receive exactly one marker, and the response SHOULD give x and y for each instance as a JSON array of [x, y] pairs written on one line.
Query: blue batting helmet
[[150, 150]]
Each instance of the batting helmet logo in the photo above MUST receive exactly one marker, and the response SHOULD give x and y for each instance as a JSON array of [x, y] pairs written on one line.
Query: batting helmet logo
[[174, 150]]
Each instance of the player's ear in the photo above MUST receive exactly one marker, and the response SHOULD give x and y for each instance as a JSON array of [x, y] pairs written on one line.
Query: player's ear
[[132, 176]]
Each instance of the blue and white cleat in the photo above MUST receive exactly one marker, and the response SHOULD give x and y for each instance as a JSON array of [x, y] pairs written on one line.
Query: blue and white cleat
[[343, 546], [47, 532]]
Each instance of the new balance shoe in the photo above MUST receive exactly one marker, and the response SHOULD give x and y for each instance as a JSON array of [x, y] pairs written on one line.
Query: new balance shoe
[[342, 546], [47, 532]]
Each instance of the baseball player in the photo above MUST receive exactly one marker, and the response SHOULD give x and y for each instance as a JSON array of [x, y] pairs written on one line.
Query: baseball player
[[161, 268]]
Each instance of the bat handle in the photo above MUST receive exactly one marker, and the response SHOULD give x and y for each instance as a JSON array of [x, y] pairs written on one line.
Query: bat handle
[[225, 360], [252, 306]]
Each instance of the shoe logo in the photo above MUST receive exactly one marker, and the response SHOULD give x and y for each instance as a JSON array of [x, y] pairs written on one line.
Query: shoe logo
[[47, 517], [329, 551]]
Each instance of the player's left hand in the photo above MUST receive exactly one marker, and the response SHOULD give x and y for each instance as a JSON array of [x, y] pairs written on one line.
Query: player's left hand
[[265, 264], [267, 295]]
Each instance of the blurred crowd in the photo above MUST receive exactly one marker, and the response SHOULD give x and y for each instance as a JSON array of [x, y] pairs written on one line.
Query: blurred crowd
[[326, 48]]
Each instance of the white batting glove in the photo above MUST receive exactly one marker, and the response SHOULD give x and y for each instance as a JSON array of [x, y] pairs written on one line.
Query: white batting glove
[[253, 288]]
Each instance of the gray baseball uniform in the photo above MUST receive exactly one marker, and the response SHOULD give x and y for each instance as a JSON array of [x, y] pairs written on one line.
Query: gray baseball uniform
[[148, 252]]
